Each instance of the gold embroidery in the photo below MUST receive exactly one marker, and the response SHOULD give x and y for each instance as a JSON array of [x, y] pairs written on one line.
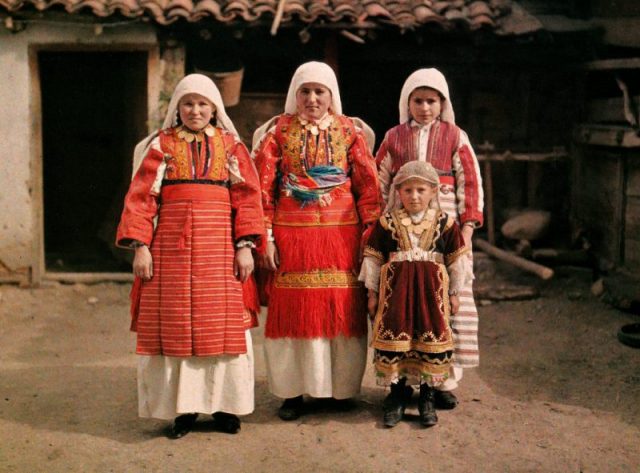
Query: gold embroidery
[[449, 224], [400, 234], [316, 279], [219, 158], [368, 251], [452, 257], [429, 238]]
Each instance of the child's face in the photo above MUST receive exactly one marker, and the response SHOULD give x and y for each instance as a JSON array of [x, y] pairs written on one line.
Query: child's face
[[195, 111], [425, 105], [415, 195]]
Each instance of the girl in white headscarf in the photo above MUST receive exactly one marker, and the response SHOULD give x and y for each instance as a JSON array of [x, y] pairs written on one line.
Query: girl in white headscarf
[[319, 192], [193, 299], [427, 132]]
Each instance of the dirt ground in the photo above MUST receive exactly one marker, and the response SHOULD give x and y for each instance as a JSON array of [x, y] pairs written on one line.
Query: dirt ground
[[556, 392]]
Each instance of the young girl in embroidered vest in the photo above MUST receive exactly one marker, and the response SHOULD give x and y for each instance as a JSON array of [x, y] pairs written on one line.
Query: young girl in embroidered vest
[[413, 268], [193, 299], [427, 132]]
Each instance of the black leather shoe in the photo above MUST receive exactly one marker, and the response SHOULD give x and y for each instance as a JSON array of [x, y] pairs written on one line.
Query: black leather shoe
[[291, 408], [395, 404], [227, 423], [445, 400], [426, 406], [182, 425]]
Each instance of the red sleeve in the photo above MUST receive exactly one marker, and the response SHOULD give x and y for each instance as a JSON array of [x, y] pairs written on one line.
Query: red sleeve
[[382, 152], [140, 203], [266, 158], [245, 196], [472, 186], [364, 181]]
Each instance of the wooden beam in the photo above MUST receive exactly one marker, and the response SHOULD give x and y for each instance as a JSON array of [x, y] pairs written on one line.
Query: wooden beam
[[88, 278], [607, 135], [524, 157], [613, 64], [535, 268]]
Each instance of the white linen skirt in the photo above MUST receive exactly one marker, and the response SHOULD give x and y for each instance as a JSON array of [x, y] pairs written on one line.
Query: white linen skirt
[[169, 386], [318, 367]]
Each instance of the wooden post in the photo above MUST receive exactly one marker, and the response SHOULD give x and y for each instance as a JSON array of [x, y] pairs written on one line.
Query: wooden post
[[488, 192]]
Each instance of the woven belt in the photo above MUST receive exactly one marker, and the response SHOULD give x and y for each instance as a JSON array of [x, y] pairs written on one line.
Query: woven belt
[[173, 182], [417, 254]]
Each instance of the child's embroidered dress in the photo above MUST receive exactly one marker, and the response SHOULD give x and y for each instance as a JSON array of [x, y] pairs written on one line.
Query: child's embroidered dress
[[410, 259]]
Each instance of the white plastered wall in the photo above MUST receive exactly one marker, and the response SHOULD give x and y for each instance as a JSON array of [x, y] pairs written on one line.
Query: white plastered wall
[[20, 133]]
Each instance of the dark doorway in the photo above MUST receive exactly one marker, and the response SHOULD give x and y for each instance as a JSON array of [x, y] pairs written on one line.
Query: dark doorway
[[94, 110]]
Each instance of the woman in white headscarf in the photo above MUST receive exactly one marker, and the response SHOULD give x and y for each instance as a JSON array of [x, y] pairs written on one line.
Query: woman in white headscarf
[[189, 308], [319, 192], [427, 132]]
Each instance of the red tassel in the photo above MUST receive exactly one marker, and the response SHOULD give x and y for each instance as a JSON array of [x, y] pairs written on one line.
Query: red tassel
[[312, 313], [312, 248]]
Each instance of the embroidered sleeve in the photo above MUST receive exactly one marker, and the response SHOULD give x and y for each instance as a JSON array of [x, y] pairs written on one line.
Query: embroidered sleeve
[[364, 180], [267, 157], [141, 201], [245, 193], [469, 194]]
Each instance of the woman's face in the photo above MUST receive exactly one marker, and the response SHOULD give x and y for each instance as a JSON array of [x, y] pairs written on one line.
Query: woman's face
[[425, 105], [313, 100], [195, 111], [415, 195]]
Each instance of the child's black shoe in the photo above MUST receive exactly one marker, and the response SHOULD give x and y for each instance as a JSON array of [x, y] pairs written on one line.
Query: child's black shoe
[[395, 404], [426, 406]]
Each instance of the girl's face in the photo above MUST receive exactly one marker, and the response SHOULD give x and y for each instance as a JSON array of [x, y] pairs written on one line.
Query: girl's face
[[415, 195], [313, 100], [195, 111], [425, 105]]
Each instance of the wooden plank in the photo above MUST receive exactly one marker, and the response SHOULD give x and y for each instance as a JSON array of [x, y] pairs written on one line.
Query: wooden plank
[[88, 278], [606, 135], [633, 176], [36, 264], [632, 219], [524, 157], [632, 254], [611, 64], [598, 202]]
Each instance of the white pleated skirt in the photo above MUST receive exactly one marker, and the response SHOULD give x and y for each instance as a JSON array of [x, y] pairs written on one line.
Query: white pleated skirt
[[318, 367], [170, 386]]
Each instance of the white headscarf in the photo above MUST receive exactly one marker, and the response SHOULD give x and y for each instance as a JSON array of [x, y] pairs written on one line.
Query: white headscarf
[[322, 74], [434, 79], [191, 84]]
